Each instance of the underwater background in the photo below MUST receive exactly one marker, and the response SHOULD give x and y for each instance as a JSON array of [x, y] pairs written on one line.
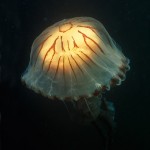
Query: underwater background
[[30, 121]]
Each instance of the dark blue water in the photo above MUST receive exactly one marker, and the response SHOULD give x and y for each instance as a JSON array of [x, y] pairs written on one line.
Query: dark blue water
[[29, 121]]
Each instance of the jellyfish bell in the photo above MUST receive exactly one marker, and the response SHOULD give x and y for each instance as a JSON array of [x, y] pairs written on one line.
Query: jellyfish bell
[[75, 60]]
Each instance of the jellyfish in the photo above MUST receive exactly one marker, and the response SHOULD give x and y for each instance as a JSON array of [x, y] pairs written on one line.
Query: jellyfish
[[76, 60]]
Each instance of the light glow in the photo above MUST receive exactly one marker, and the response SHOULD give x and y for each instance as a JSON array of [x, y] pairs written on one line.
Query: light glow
[[74, 57]]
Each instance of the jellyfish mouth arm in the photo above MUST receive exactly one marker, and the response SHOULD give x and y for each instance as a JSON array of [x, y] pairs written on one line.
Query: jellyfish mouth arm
[[107, 111]]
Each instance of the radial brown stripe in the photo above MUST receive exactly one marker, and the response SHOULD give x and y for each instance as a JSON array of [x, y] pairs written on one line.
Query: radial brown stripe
[[72, 69], [48, 69], [57, 67], [62, 45], [41, 44], [77, 64], [83, 60], [52, 47], [68, 45], [85, 36], [89, 46], [91, 28], [89, 59], [74, 43]]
